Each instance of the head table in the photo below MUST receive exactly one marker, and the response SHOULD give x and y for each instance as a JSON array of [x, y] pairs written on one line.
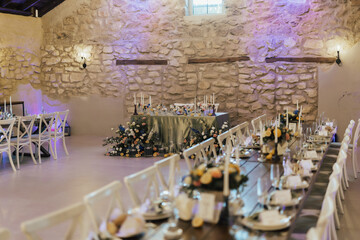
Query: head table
[[232, 229], [175, 128]]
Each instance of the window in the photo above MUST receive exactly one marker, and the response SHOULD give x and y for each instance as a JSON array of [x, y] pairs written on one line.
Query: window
[[204, 7]]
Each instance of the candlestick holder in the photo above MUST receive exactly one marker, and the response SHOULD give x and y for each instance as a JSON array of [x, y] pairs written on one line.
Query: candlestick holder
[[276, 157], [213, 110], [224, 215], [135, 111]]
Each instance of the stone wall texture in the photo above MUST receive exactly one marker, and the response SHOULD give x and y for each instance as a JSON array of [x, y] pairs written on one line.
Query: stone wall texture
[[106, 30]]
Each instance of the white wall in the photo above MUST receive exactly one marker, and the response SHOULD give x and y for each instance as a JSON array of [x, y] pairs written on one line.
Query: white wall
[[339, 89]]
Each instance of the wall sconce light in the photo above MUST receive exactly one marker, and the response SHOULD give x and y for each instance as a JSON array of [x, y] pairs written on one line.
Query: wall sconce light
[[338, 61], [83, 62]]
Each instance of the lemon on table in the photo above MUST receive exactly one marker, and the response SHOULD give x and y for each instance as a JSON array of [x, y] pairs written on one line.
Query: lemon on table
[[197, 222], [111, 228], [120, 219], [272, 151], [269, 156], [278, 132], [206, 178]]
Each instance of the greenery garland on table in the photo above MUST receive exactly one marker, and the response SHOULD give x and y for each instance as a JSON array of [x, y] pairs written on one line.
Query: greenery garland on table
[[133, 137]]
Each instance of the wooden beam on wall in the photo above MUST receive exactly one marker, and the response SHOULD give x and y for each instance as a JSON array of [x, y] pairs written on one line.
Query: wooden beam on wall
[[301, 59], [217, 60], [141, 62], [12, 11]]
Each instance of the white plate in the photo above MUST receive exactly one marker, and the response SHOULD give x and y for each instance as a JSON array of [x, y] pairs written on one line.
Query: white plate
[[303, 185], [255, 225], [154, 216]]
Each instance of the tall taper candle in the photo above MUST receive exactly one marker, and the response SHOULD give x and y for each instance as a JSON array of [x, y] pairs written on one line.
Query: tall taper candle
[[134, 99], [5, 105], [213, 98], [276, 131], [262, 129], [10, 106], [297, 104], [150, 100], [226, 172], [287, 117]]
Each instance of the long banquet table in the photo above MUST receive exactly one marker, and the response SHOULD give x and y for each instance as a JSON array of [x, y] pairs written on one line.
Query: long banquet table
[[254, 170], [176, 128]]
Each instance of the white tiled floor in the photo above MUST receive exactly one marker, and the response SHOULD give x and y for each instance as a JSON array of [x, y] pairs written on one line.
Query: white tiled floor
[[35, 190]]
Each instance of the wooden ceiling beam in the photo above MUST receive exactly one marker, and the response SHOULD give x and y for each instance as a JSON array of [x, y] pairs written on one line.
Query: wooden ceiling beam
[[49, 6], [29, 3], [4, 3], [13, 11]]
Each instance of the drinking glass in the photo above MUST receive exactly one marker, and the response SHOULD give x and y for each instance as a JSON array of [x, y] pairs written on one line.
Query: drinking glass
[[262, 189], [275, 175]]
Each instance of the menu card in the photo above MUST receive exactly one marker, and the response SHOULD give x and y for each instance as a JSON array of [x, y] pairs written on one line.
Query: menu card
[[206, 206], [270, 217], [293, 181], [311, 154], [282, 196], [292, 126]]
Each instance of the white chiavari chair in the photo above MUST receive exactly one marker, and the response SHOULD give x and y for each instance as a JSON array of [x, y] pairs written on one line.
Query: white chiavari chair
[[208, 148], [171, 166], [102, 203], [6, 128], [74, 214], [239, 133], [60, 122], [44, 135], [353, 148], [146, 177], [4, 234], [256, 122], [193, 156], [224, 140], [23, 137], [325, 228]]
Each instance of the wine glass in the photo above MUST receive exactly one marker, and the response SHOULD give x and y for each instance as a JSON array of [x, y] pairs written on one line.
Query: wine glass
[[275, 175], [262, 189]]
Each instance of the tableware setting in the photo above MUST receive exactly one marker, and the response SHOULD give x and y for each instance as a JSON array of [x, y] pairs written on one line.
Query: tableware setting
[[283, 198], [293, 182], [266, 220]]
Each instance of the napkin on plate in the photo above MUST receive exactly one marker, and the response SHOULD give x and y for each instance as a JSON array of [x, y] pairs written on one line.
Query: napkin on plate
[[282, 196], [311, 154], [270, 217], [133, 225]]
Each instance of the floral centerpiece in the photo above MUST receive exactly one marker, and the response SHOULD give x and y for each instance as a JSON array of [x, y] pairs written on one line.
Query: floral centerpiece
[[210, 177], [284, 135], [199, 135], [293, 117], [131, 139]]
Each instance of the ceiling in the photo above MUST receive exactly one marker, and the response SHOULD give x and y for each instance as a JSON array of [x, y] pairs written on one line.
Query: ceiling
[[28, 7]]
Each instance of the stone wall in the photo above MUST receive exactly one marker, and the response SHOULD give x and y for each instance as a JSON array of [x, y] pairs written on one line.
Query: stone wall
[[106, 30], [20, 41]]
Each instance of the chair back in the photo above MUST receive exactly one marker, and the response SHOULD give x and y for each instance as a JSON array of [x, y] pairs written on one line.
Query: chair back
[[224, 140], [172, 164], [73, 213], [46, 123], [60, 122], [194, 156], [239, 133], [314, 234], [4, 234], [24, 129], [356, 138], [326, 218], [146, 177], [208, 148], [256, 122], [108, 196], [6, 127]]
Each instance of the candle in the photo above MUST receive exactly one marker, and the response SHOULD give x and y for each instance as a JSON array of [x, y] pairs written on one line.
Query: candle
[[10, 106], [276, 135], [226, 172], [134, 99], [5, 105], [279, 121], [211, 101], [261, 128], [297, 104], [204, 100], [299, 127], [287, 117], [213, 98], [150, 100]]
